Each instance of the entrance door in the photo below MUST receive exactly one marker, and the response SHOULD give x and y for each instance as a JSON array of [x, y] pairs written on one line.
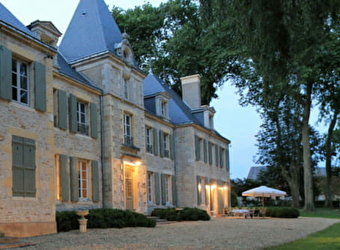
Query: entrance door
[[128, 188]]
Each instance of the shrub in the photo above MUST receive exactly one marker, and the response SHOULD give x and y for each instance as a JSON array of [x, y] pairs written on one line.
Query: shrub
[[187, 214], [282, 212], [103, 218]]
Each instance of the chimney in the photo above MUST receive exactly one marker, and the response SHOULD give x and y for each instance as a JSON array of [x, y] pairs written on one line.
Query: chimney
[[191, 91]]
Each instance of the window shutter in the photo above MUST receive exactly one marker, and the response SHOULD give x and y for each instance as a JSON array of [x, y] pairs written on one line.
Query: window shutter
[[18, 166], [161, 143], [95, 181], [62, 110], [163, 189], [227, 164], [174, 190], [216, 155], [157, 193], [64, 178], [210, 152], [221, 157], [5, 73], [155, 141], [205, 157], [74, 179], [197, 149], [29, 162], [40, 86], [73, 113], [94, 122], [172, 147], [198, 183]]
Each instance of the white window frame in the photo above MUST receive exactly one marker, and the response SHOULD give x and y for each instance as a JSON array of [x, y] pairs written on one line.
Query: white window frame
[[17, 77], [84, 181], [168, 189], [151, 187], [82, 118], [128, 135], [166, 145], [149, 139]]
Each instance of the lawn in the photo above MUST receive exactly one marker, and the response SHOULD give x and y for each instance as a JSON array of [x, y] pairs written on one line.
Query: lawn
[[328, 238]]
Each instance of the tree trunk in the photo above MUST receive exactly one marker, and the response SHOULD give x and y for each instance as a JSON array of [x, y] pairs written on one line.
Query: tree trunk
[[307, 168], [329, 152]]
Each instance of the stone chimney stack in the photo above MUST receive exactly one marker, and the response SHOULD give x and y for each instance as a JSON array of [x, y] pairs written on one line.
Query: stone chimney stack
[[191, 91]]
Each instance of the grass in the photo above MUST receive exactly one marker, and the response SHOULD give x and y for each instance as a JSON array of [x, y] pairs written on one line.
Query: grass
[[326, 239]]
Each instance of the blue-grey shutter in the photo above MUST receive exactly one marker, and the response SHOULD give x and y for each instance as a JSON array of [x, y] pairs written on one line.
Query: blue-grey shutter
[[155, 141], [18, 166], [198, 183], [94, 121], [40, 86], [197, 148], [205, 157], [29, 162], [5, 73], [221, 157], [210, 153], [95, 181], [217, 161], [206, 182], [62, 110], [163, 189], [161, 143], [227, 163], [172, 146], [174, 190], [73, 113], [74, 179], [64, 178], [157, 191]]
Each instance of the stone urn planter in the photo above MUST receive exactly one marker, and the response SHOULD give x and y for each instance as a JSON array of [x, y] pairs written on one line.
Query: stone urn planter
[[82, 220]]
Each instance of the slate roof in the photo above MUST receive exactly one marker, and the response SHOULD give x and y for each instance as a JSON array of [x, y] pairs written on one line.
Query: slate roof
[[92, 30], [254, 172], [7, 17]]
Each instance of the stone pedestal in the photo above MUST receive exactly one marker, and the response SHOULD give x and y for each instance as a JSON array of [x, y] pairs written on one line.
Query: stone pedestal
[[82, 220]]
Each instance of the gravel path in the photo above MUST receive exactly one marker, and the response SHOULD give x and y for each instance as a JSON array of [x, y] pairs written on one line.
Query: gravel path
[[216, 234]]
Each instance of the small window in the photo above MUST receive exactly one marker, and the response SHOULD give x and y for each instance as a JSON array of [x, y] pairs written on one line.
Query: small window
[[128, 138], [20, 82], [164, 109]]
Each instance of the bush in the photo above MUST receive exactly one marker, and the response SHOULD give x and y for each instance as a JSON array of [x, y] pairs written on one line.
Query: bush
[[103, 218], [282, 212], [187, 214]]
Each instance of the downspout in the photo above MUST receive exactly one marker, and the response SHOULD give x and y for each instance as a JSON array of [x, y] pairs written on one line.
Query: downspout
[[102, 144], [175, 165]]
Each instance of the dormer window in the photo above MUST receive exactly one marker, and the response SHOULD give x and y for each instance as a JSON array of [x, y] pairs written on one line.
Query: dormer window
[[164, 108], [162, 105]]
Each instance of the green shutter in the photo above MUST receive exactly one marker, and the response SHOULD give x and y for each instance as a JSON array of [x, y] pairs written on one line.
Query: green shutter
[[197, 148], [174, 190], [161, 143], [216, 156], [155, 141], [74, 179], [29, 162], [172, 146], [95, 181], [210, 152], [94, 121], [18, 166], [227, 163], [198, 182], [5, 73], [64, 178], [205, 157], [40, 86], [73, 113], [163, 189], [62, 110], [157, 191], [221, 157]]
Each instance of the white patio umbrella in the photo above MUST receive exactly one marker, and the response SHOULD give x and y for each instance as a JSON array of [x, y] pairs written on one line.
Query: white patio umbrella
[[263, 191]]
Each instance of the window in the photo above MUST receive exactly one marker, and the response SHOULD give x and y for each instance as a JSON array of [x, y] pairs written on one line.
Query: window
[[166, 145], [149, 140], [164, 111], [151, 187], [83, 180], [210, 152], [23, 168], [222, 155], [198, 148], [126, 89], [201, 190], [20, 82], [128, 139], [83, 128], [166, 189]]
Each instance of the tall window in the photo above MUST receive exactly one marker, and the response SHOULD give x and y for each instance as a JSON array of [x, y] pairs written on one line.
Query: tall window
[[148, 138], [83, 180], [168, 189], [151, 188], [128, 139], [126, 88], [166, 144], [83, 128], [20, 82]]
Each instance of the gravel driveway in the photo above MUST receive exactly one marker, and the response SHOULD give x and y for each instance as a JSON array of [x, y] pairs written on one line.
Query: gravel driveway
[[216, 234]]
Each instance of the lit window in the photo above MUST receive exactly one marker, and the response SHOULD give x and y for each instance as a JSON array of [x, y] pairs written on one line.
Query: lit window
[[83, 180], [20, 83], [168, 189]]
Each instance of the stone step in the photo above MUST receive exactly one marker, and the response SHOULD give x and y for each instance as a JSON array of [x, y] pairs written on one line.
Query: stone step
[[7, 240]]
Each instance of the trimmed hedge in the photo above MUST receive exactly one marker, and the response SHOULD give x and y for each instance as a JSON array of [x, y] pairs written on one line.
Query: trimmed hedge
[[282, 212], [103, 218], [187, 214]]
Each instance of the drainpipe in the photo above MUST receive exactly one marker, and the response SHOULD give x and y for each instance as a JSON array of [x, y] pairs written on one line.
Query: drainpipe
[[175, 165], [102, 144]]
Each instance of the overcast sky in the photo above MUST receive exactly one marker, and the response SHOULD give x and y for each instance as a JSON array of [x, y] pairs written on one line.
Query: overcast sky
[[232, 121]]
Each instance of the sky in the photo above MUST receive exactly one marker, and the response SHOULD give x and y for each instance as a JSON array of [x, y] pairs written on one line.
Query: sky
[[236, 123]]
